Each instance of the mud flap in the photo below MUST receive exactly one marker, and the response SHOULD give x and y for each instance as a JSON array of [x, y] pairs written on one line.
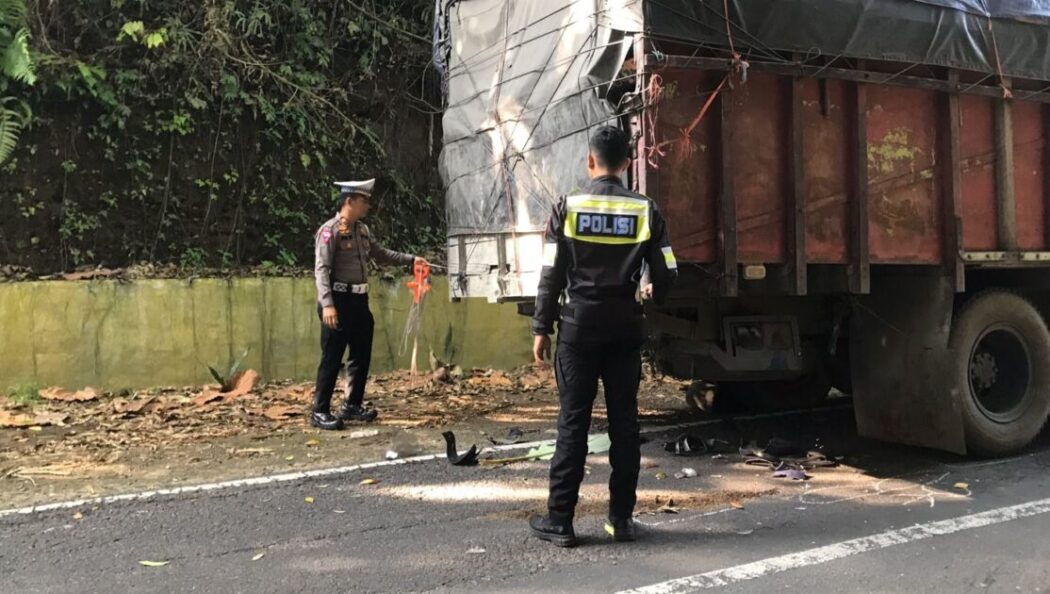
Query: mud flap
[[900, 362]]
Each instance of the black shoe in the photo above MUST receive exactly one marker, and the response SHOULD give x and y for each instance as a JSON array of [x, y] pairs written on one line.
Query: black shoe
[[326, 421], [544, 529], [621, 530], [356, 414]]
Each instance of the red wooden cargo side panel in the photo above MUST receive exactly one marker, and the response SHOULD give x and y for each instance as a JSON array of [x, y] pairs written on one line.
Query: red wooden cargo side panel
[[761, 150], [904, 206], [684, 181], [825, 136], [1029, 184], [977, 148]]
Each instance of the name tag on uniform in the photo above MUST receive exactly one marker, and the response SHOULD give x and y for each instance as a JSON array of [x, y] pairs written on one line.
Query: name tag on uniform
[[606, 225]]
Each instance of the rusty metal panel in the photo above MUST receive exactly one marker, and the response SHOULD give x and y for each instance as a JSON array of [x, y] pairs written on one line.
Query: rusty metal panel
[[977, 144], [761, 174], [826, 135], [904, 205], [684, 180], [1029, 179]]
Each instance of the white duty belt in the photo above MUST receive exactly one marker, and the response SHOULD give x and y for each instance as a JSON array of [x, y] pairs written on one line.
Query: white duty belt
[[361, 289]]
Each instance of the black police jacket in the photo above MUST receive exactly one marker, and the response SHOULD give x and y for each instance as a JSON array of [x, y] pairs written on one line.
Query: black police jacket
[[596, 244]]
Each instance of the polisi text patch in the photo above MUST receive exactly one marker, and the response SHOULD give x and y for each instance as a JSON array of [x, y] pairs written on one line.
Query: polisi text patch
[[606, 225]]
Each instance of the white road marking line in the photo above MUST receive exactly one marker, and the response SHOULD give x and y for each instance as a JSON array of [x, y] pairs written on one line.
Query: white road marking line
[[306, 474], [816, 556]]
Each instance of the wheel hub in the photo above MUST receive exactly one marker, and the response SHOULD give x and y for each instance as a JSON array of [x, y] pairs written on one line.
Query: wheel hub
[[983, 371], [1000, 372]]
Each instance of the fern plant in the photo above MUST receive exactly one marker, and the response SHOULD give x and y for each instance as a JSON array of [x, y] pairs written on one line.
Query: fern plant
[[16, 66]]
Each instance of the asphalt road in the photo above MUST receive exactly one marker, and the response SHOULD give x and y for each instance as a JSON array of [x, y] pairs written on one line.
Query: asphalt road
[[891, 519]]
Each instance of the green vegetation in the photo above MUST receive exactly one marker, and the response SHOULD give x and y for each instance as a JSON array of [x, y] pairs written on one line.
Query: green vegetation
[[207, 134], [16, 68], [24, 393]]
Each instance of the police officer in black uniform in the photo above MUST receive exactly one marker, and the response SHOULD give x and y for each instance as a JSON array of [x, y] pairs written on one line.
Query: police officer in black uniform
[[343, 247], [597, 243]]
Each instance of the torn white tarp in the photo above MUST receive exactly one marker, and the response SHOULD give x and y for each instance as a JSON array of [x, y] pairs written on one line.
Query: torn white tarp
[[526, 85]]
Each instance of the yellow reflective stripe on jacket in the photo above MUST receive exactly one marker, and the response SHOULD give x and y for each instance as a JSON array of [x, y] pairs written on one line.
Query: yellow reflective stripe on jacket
[[669, 259], [623, 221]]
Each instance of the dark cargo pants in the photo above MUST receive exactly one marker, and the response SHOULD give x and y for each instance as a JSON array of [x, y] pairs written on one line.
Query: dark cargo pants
[[579, 364], [356, 329]]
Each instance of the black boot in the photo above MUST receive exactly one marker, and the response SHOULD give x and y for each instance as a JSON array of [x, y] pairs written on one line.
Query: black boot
[[356, 414], [557, 534], [326, 421], [622, 530]]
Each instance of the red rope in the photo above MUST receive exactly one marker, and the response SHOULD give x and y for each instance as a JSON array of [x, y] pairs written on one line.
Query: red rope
[[684, 144], [655, 92]]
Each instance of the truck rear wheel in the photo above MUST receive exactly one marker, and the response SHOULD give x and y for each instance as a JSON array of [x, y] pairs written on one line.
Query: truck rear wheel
[[1000, 354]]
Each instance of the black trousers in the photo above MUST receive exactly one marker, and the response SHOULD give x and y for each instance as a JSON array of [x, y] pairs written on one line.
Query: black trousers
[[356, 329], [579, 364]]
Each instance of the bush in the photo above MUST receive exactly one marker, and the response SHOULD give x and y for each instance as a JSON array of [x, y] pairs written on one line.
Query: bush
[[209, 133]]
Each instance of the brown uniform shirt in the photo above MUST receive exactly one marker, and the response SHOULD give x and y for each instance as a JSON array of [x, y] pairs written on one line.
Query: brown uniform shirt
[[341, 255]]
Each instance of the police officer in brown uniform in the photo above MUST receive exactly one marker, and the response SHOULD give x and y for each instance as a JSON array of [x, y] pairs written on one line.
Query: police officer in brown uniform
[[343, 247]]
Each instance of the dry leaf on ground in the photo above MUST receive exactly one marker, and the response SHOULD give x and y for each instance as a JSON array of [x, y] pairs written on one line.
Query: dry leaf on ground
[[50, 418], [282, 413], [207, 397], [134, 407], [63, 395], [243, 383], [9, 419]]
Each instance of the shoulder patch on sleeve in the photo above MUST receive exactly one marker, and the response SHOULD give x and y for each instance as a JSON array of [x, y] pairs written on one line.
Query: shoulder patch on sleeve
[[326, 234]]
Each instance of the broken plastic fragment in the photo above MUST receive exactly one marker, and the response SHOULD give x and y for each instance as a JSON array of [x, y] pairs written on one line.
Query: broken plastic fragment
[[392, 455], [794, 474], [470, 458], [369, 481], [259, 556], [514, 435], [309, 500], [153, 563]]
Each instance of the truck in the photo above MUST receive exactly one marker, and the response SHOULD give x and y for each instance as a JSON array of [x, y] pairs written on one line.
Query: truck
[[857, 190]]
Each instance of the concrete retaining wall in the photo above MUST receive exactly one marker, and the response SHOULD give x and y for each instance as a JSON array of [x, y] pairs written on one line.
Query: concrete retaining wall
[[114, 335]]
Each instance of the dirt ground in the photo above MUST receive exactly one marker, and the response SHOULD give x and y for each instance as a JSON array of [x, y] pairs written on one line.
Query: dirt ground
[[88, 444]]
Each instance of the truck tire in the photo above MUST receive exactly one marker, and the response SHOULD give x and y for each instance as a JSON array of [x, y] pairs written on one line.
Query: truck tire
[[1000, 372]]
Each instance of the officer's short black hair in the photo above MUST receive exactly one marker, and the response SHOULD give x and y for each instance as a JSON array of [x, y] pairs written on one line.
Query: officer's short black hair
[[345, 196], [610, 146]]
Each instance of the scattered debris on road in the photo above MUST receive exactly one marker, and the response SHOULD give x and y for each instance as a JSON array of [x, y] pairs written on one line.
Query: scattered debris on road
[[469, 458], [685, 473]]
